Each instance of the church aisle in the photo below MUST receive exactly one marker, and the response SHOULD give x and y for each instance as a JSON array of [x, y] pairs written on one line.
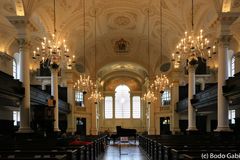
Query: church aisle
[[128, 152]]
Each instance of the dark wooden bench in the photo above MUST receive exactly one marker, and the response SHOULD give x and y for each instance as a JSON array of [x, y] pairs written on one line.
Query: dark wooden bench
[[70, 154]]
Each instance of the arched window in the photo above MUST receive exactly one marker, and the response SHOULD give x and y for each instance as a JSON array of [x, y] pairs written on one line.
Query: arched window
[[232, 66], [122, 102], [14, 69]]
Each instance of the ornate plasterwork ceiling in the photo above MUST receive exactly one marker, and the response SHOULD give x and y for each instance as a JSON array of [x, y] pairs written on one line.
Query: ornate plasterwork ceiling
[[115, 19], [132, 83]]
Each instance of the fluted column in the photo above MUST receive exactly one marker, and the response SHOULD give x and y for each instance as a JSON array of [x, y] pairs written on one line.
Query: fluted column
[[54, 92], [191, 92], [70, 116], [25, 74], [20, 23], [223, 123]]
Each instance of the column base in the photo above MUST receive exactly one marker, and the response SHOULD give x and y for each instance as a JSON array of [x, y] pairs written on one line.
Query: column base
[[56, 130], [71, 130], [223, 129], [151, 131], [25, 130], [192, 131], [176, 131], [94, 132]]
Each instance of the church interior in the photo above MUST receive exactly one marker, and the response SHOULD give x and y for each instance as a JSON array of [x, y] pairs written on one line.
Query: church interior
[[90, 79]]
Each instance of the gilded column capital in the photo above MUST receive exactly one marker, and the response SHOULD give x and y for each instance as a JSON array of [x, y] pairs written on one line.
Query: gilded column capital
[[225, 40]]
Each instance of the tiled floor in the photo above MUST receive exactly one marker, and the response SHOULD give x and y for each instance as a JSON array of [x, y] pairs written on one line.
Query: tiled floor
[[128, 152]]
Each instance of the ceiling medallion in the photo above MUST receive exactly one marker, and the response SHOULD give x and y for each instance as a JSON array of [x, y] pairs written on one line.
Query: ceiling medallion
[[122, 21], [121, 46]]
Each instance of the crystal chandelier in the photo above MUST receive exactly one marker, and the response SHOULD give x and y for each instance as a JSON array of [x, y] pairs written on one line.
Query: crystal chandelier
[[149, 97], [53, 53], [192, 46], [161, 82], [84, 83], [96, 96]]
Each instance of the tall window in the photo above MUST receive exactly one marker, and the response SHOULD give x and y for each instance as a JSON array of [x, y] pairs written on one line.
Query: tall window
[[166, 98], [232, 66], [16, 117], [79, 98], [14, 69], [136, 107], [122, 102], [108, 107], [231, 116]]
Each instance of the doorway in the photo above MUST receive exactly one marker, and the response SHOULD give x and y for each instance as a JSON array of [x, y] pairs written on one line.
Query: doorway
[[81, 126], [165, 126]]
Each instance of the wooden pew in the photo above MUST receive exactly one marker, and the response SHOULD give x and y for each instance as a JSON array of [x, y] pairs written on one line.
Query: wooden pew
[[69, 154]]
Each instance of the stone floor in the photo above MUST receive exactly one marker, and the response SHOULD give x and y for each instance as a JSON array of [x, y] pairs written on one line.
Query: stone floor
[[129, 151]]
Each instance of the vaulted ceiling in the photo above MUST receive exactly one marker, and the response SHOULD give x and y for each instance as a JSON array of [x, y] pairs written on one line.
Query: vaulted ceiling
[[115, 19]]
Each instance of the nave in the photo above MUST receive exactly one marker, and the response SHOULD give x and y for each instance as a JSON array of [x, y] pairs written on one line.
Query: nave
[[76, 73], [129, 151]]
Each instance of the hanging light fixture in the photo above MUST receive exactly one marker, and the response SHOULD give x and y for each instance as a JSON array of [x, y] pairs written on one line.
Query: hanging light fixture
[[84, 83], [149, 96], [161, 82], [53, 53], [192, 46], [96, 96]]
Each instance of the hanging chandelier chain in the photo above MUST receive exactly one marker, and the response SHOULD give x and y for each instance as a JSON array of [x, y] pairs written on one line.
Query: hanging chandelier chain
[[161, 26], [54, 16], [84, 38], [148, 46], [95, 47], [192, 17]]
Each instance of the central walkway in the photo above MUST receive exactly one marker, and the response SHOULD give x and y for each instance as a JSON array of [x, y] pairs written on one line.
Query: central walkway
[[129, 151]]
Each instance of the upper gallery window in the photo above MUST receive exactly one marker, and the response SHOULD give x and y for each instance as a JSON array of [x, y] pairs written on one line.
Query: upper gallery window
[[14, 69], [108, 107], [136, 104], [166, 98], [79, 98]]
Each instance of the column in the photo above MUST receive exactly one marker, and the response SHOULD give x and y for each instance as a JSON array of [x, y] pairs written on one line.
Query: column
[[175, 116], [151, 120], [222, 114], [20, 23], [94, 129], [25, 74], [54, 92], [70, 117], [191, 92]]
